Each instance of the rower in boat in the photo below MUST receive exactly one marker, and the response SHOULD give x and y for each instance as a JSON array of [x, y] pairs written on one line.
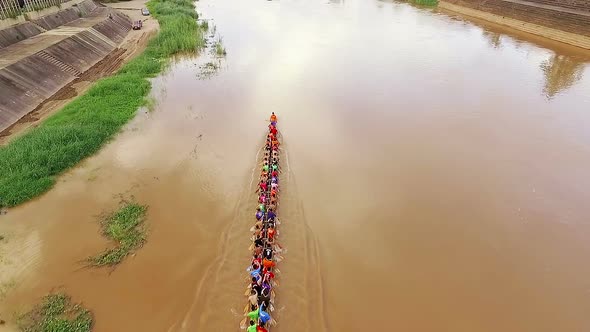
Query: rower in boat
[[261, 328]]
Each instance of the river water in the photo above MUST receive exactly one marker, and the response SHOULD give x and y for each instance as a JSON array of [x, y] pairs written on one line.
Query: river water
[[435, 179]]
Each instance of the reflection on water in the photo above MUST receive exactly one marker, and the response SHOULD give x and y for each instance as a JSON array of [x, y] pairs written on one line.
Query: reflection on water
[[494, 38], [561, 72]]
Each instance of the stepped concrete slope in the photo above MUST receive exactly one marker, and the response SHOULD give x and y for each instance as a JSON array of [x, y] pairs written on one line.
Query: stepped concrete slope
[[582, 5], [66, 16], [33, 70], [18, 33], [43, 20], [533, 16]]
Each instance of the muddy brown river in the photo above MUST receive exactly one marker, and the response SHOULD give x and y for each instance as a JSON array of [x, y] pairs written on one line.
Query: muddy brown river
[[436, 178]]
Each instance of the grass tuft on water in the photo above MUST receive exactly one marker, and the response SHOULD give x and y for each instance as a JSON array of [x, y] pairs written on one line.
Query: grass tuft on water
[[30, 163], [125, 228], [219, 48], [56, 313], [205, 26]]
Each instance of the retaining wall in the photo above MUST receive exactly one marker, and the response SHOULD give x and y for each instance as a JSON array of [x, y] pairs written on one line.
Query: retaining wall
[[52, 20], [17, 33], [26, 83], [8, 22], [116, 28], [32, 80], [577, 23], [540, 30], [66, 16], [55, 20], [33, 15], [583, 5]]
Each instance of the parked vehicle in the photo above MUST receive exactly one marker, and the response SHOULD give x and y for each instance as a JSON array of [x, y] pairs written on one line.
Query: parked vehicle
[[137, 25], [145, 12]]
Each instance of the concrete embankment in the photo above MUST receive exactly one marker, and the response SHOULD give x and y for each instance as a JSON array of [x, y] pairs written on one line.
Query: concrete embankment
[[63, 17], [18, 32], [14, 31], [33, 70], [565, 21]]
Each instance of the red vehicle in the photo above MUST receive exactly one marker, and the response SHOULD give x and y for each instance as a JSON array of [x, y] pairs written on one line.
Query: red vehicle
[[137, 25]]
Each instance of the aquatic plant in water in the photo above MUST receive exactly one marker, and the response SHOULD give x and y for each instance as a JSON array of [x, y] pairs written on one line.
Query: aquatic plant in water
[[219, 48], [125, 228], [56, 313]]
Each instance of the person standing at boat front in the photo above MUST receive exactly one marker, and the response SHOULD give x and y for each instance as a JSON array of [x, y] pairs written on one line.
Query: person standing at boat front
[[273, 119]]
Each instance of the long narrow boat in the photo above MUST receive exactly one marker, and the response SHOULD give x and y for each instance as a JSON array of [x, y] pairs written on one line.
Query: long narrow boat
[[266, 252]]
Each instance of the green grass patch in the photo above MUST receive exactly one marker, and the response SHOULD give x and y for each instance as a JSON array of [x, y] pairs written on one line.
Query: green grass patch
[[125, 228], [56, 313], [426, 3], [30, 163]]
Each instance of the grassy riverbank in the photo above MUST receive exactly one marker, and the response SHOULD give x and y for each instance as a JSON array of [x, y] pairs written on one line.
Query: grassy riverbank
[[56, 313], [125, 228], [30, 164]]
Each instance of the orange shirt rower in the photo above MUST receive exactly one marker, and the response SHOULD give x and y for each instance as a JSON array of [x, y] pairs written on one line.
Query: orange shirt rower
[[273, 117], [267, 263]]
